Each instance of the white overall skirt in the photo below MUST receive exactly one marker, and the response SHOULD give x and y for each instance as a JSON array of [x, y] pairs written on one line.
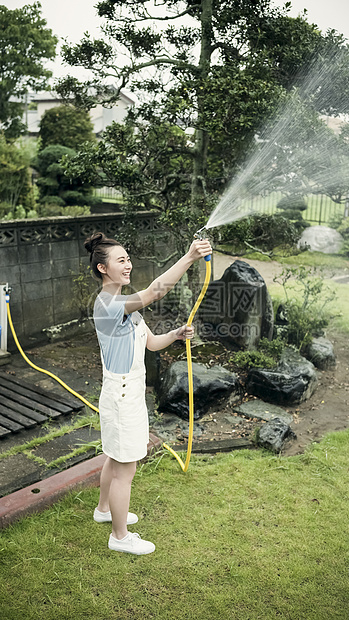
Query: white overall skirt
[[122, 408]]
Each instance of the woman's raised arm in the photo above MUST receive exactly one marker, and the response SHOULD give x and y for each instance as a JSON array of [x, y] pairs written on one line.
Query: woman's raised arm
[[167, 280]]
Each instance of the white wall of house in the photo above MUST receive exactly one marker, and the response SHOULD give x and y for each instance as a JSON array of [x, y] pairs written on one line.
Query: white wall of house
[[100, 117]]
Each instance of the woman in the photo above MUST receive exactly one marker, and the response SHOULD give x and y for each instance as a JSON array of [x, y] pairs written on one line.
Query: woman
[[123, 336]]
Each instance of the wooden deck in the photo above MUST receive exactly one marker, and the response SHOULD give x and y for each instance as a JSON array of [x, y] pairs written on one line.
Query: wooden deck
[[23, 405]]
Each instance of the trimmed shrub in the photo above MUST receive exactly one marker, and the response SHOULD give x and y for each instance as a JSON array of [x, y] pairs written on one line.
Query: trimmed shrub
[[261, 230], [73, 198], [54, 200], [292, 207], [292, 202], [343, 229], [53, 181]]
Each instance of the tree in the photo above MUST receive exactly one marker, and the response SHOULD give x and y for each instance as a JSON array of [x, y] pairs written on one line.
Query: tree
[[67, 126], [25, 44], [15, 187], [222, 93], [54, 186]]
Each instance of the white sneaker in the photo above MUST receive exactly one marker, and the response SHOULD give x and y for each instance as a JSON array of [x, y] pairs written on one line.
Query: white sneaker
[[132, 543], [103, 517]]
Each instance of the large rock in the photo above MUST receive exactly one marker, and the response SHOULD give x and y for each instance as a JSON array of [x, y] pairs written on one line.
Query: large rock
[[258, 409], [152, 364], [320, 353], [273, 434], [293, 380], [321, 239], [210, 385], [237, 309]]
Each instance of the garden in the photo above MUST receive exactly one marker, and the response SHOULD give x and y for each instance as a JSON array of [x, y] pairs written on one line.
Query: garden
[[235, 144]]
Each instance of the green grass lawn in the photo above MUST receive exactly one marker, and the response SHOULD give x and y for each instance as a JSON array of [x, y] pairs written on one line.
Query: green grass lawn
[[244, 535]]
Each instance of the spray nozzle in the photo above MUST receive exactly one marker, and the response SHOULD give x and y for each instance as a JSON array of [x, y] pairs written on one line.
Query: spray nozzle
[[200, 234]]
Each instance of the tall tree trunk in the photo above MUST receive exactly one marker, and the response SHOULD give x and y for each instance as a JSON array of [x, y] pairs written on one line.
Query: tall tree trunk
[[201, 137]]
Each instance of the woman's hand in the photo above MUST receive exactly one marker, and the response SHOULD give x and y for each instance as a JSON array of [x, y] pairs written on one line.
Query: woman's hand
[[184, 332], [199, 248]]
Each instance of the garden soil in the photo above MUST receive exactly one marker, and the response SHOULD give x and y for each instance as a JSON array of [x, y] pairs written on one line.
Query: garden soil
[[328, 409]]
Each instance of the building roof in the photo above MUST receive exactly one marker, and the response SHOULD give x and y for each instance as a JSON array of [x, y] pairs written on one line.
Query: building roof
[[51, 96]]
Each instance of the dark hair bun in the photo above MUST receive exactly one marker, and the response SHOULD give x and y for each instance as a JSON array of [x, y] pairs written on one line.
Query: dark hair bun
[[94, 241]]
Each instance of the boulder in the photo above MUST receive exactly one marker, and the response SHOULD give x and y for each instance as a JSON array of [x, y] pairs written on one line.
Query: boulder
[[292, 381], [210, 385], [152, 365], [237, 309], [320, 353], [321, 239], [262, 411], [273, 434]]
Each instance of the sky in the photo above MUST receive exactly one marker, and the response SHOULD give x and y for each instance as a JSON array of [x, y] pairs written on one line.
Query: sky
[[71, 18]]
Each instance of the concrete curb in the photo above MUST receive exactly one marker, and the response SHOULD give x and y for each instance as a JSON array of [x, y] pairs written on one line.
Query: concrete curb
[[43, 494]]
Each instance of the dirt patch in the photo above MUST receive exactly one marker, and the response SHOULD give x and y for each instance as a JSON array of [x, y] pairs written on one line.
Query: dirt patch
[[328, 409]]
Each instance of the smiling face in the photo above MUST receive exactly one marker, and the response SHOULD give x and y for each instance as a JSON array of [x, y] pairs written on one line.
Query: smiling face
[[118, 268]]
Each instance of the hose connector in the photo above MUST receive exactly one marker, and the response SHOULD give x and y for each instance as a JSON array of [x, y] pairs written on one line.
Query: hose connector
[[7, 290]]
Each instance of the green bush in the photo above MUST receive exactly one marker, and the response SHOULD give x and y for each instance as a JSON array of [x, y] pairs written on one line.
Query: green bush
[[266, 355], [292, 214], [73, 198], [342, 225], [54, 200], [303, 324], [53, 210], [17, 213], [306, 316], [292, 207], [252, 359], [53, 182], [76, 210], [273, 348], [15, 184], [66, 125], [261, 230], [336, 221], [5, 209], [32, 214], [93, 201], [292, 202]]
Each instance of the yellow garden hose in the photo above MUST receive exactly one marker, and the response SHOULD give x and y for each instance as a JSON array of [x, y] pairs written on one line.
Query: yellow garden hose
[[185, 465], [47, 372]]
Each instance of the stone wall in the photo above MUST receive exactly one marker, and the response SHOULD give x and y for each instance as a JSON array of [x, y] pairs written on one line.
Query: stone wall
[[38, 258]]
